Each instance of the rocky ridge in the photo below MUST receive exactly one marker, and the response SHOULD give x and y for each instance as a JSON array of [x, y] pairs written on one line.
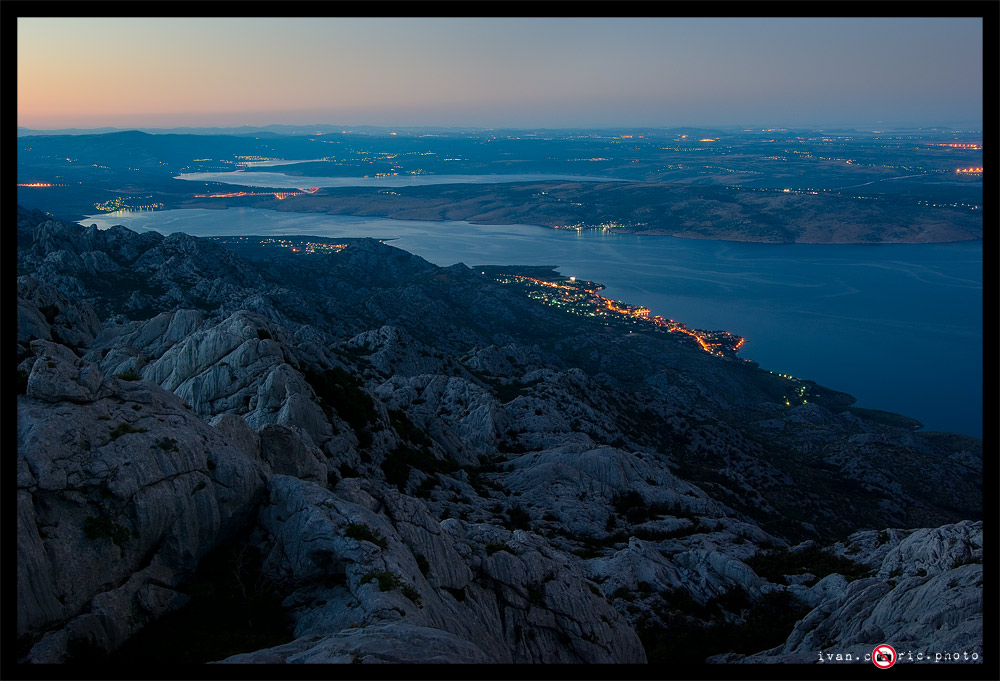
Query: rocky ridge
[[496, 483]]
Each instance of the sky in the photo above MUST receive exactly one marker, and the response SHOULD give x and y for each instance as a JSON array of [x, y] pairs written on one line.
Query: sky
[[499, 72]]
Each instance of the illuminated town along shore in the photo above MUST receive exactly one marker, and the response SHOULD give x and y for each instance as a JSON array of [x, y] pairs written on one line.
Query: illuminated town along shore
[[278, 195], [581, 297], [293, 245], [127, 204], [608, 226]]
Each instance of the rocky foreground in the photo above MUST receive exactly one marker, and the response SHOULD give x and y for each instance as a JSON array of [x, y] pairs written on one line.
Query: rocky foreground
[[361, 457]]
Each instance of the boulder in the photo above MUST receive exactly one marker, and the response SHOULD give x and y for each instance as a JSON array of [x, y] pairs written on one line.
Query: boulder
[[118, 498], [58, 375]]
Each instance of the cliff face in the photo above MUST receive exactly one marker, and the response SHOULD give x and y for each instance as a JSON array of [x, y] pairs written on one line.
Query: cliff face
[[431, 467]]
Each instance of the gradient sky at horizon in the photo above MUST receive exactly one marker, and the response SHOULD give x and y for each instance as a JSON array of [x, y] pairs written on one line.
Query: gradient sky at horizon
[[507, 72]]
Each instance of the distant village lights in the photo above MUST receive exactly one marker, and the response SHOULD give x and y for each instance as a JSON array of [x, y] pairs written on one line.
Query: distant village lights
[[578, 299]]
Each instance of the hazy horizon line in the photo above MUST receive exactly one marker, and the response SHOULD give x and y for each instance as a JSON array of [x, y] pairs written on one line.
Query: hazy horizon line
[[346, 128]]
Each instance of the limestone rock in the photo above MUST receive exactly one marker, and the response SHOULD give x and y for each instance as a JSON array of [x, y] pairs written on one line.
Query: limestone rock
[[118, 499], [287, 453], [461, 416], [927, 597], [391, 643], [514, 604], [44, 312], [58, 375]]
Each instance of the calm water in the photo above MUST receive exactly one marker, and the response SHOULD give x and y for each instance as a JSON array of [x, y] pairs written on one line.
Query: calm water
[[897, 326]]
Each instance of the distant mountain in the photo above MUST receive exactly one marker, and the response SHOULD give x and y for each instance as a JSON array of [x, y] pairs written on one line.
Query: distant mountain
[[276, 129], [328, 128], [241, 130], [65, 131]]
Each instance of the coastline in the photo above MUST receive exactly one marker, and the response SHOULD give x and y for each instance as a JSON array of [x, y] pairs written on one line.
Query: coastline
[[675, 301], [437, 214], [407, 215]]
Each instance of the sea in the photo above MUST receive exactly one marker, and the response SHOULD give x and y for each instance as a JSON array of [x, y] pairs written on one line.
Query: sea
[[899, 326]]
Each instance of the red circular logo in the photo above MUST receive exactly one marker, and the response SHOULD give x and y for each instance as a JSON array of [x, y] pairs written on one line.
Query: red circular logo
[[884, 656]]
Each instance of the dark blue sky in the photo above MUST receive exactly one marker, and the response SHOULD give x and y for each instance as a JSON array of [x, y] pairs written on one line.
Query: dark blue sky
[[500, 72]]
